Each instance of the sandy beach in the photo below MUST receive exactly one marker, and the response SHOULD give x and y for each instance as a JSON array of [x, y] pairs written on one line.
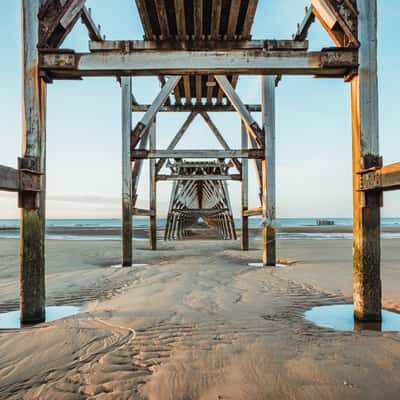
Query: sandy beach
[[196, 323]]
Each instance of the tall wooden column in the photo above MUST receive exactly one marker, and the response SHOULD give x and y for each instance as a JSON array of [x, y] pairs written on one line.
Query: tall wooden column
[[268, 170], [32, 275], [245, 191], [126, 89], [153, 190], [366, 206]]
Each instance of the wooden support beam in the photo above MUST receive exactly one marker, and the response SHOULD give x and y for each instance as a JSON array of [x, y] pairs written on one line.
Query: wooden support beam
[[304, 26], [153, 190], [245, 191], [14, 180], [195, 108], [70, 65], [244, 114], [140, 212], [386, 178], [268, 170], [144, 154], [56, 24], [254, 212], [340, 25], [126, 92], [93, 29], [32, 248], [145, 122], [176, 177], [367, 291], [177, 138]]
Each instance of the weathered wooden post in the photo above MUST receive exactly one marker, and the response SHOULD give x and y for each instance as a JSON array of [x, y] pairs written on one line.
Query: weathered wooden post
[[126, 90], [268, 170], [366, 206], [245, 191], [32, 278], [153, 189]]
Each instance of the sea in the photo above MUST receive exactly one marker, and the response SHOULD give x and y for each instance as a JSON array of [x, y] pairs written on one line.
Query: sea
[[9, 228]]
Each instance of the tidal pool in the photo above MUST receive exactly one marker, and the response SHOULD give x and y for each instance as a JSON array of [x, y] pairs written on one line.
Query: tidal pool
[[10, 320], [341, 318]]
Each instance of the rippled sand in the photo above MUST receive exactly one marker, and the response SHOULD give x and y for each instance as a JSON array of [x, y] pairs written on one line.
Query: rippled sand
[[197, 323]]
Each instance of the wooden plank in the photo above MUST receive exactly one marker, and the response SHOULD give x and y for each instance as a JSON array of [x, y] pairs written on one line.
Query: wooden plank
[[144, 154], [248, 22], [140, 212], [195, 108], [32, 247], [386, 178], [233, 18], [14, 180], [254, 212], [245, 116], [195, 45], [153, 190], [367, 291], [329, 62], [161, 10], [390, 176], [244, 192], [268, 171], [198, 19], [215, 18], [144, 124], [126, 93], [9, 179]]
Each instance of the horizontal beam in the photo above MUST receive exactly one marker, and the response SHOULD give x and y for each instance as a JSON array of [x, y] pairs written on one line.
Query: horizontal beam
[[386, 178], [253, 212], [146, 154], [201, 211], [139, 212], [64, 64], [14, 180], [196, 108], [196, 45], [232, 177]]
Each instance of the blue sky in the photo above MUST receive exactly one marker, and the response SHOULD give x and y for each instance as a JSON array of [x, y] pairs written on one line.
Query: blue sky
[[313, 121]]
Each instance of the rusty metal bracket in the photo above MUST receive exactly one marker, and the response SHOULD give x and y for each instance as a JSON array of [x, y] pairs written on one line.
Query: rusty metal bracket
[[29, 182], [332, 57], [370, 181]]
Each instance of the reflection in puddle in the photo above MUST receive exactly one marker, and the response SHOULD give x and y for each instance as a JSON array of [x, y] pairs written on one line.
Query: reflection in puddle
[[341, 318], [10, 320]]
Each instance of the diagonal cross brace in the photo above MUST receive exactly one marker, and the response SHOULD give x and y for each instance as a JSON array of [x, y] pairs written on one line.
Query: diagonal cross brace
[[338, 20], [144, 124], [252, 127]]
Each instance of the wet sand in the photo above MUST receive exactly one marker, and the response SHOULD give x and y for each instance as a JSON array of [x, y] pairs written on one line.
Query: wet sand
[[197, 323]]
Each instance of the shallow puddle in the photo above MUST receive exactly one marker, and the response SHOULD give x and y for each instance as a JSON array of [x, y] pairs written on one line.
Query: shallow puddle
[[341, 318], [11, 320]]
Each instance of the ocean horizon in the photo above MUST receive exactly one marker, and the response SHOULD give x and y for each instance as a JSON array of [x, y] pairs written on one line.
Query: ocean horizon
[[106, 228]]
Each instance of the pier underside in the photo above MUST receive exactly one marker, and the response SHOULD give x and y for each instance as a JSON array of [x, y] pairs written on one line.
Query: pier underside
[[200, 198]]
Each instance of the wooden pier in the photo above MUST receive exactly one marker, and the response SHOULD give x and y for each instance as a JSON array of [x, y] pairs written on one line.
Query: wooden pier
[[198, 49]]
